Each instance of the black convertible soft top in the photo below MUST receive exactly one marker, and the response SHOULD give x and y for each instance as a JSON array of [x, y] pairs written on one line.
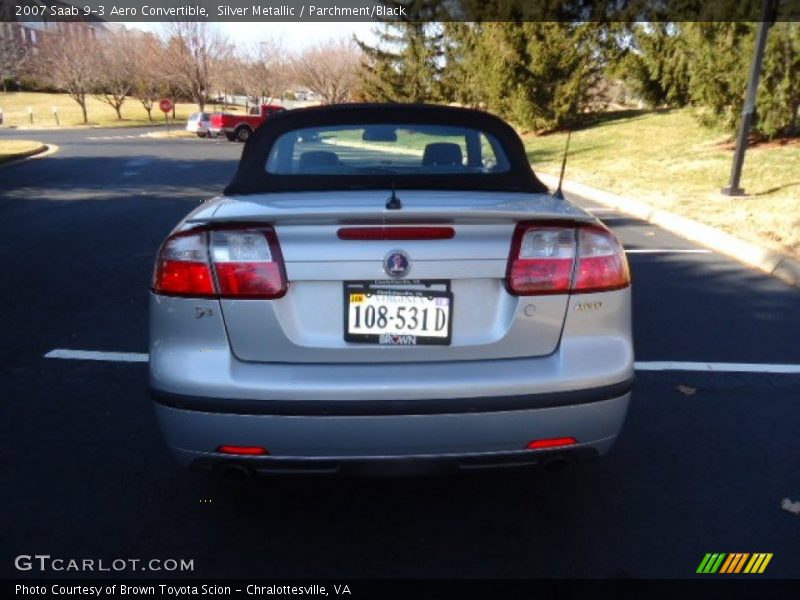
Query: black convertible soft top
[[252, 178]]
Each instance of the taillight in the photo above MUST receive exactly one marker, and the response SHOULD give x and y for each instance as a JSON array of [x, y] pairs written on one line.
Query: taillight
[[235, 262], [602, 265], [541, 260], [182, 268], [560, 258], [248, 263]]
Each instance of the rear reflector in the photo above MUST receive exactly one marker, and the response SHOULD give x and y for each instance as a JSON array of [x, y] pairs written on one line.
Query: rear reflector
[[551, 443], [396, 233], [561, 258], [239, 261], [243, 450]]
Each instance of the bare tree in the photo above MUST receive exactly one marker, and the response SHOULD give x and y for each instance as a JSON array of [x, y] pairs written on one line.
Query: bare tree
[[150, 77], [230, 72], [68, 60], [116, 68], [330, 69], [270, 70], [13, 54], [192, 48]]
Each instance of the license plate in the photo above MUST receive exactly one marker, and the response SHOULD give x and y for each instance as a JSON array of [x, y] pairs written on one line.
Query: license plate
[[397, 317]]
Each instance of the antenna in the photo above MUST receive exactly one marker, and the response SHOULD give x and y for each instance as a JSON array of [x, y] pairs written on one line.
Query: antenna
[[558, 193], [393, 203]]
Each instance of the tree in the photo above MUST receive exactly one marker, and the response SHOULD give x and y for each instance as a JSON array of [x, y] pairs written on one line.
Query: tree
[[13, 57], [150, 76], [329, 69], [192, 48], [779, 93], [657, 64], [68, 60], [707, 64], [459, 81], [270, 70], [721, 55], [537, 74], [405, 65], [230, 72], [116, 68]]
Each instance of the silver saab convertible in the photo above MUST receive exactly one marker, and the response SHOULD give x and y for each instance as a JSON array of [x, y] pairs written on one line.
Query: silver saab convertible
[[388, 289]]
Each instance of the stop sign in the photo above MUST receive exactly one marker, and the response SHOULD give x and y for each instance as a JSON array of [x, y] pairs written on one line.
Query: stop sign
[[165, 105]]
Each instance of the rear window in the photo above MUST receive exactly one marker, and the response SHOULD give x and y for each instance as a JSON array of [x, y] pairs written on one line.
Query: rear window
[[402, 150]]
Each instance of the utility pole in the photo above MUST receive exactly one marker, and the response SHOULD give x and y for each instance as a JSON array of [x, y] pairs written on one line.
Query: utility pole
[[768, 15]]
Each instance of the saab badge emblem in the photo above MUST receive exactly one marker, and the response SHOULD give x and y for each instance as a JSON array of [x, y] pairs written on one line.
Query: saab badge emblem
[[396, 264]]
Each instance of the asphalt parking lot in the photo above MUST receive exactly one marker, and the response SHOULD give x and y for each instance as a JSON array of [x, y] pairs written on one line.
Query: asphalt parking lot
[[702, 464]]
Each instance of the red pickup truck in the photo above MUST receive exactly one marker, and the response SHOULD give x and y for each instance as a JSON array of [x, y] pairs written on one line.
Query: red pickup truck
[[239, 127]]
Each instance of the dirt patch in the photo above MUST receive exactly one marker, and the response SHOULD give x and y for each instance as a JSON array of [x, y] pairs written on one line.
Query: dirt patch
[[730, 145]]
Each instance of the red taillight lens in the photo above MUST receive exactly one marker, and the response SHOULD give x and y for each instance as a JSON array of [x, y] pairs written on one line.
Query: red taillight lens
[[248, 263], [236, 262], [602, 265], [250, 279], [551, 443], [185, 278], [565, 258], [182, 268], [243, 450], [396, 233], [542, 259]]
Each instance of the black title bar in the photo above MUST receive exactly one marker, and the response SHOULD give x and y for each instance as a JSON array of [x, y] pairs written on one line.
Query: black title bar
[[394, 10], [419, 589]]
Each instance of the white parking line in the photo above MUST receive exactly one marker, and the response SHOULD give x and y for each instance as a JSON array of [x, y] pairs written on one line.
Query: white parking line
[[716, 367], [94, 355], [708, 367], [667, 251]]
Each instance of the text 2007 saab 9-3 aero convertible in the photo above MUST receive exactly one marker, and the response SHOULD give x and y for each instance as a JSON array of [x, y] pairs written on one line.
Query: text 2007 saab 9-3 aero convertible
[[388, 289]]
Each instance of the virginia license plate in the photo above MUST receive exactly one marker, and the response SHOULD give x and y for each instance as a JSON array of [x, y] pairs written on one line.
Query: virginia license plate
[[397, 317]]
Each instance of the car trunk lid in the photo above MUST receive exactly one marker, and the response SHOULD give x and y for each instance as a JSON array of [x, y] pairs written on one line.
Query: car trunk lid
[[308, 323]]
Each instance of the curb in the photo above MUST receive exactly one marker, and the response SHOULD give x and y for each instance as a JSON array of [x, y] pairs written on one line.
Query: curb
[[774, 263], [45, 150], [23, 155]]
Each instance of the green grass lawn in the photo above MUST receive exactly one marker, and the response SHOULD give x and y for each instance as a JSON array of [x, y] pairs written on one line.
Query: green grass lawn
[[666, 159], [15, 111], [407, 144], [10, 149]]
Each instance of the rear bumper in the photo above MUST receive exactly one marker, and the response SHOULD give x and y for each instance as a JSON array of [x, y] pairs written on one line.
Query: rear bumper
[[380, 442], [398, 466], [328, 416], [367, 408]]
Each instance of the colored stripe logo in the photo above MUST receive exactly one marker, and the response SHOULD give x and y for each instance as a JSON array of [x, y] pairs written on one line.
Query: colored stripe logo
[[733, 563]]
